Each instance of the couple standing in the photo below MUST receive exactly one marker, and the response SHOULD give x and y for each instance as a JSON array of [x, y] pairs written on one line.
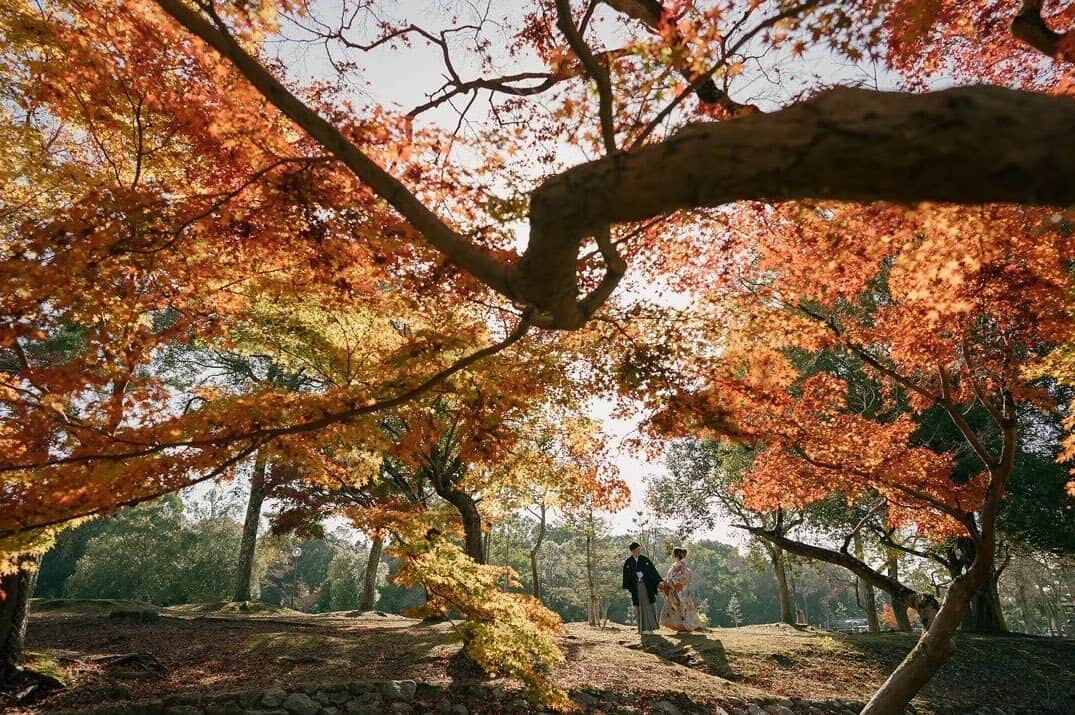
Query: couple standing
[[641, 578]]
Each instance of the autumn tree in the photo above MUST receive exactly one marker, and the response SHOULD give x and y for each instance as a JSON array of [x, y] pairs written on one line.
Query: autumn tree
[[936, 332]]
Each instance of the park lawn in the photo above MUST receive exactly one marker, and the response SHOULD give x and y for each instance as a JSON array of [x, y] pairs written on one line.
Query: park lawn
[[1016, 670], [222, 648]]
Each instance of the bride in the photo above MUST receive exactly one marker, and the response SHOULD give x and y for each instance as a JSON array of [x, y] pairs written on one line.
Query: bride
[[679, 612]]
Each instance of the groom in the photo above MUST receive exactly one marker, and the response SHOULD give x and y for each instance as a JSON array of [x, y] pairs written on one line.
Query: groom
[[640, 577]]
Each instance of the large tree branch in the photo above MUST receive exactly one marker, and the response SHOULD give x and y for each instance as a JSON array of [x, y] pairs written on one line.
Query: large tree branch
[[924, 604], [434, 230], [143, 449], [960, 421], [846, 144]]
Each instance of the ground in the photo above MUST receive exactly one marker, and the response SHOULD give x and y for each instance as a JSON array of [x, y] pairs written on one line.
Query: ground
[[217, 648]]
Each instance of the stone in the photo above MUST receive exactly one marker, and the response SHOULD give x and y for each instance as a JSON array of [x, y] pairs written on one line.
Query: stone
[[399, 689], [460, 709], [753, 709], [359, 707], [273, 698], [135, 615], [227, 707], [330, 710], [184, 710], [401, 708], [585, 699], [718, 710], [301, 704], [114, 692], [260, 712], [666, 708]]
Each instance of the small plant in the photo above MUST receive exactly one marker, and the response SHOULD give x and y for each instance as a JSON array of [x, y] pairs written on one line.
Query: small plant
[[505, 633]]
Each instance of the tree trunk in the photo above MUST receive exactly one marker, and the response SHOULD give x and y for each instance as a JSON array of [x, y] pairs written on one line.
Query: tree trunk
[[593, 603], [935, 646], [536, 588], [369, 579], [929, 654], [250, 527], [473, 543], [899, 609], [776, 555], [984, 614], [922, 603], [1024, 606], [14, 612], [869, 598]]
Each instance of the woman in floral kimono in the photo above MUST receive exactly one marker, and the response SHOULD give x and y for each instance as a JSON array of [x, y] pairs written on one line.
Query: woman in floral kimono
[[679, 612]]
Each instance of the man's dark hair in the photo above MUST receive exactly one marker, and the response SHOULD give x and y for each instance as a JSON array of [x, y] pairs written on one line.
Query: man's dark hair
[[634, 545]]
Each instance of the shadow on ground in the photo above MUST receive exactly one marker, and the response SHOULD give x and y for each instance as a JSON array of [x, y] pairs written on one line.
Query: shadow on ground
[[696, 650]]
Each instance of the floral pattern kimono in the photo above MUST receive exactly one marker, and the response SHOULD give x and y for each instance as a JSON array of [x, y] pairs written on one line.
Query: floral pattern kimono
[[679, 612]]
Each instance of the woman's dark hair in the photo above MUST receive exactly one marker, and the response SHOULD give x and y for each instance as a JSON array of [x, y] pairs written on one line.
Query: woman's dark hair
[[679, 552]]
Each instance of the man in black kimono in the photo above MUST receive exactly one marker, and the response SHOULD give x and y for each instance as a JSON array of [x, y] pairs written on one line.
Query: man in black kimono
[[640, 577]]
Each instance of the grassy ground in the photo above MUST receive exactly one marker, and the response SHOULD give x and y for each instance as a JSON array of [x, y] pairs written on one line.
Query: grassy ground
[[222, 647]]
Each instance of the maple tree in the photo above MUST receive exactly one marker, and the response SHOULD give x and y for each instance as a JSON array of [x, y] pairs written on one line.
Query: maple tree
[[935, 325], [164, 171]]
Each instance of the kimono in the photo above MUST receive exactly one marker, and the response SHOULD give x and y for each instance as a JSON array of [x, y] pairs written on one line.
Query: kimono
[[640, 578], [679, 612]]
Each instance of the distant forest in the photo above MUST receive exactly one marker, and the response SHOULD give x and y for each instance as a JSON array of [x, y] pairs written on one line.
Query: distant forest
[[174, 551]]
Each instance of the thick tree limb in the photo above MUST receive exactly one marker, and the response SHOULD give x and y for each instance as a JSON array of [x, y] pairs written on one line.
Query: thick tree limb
[[434, 230], [966, 145], [924, 604]]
